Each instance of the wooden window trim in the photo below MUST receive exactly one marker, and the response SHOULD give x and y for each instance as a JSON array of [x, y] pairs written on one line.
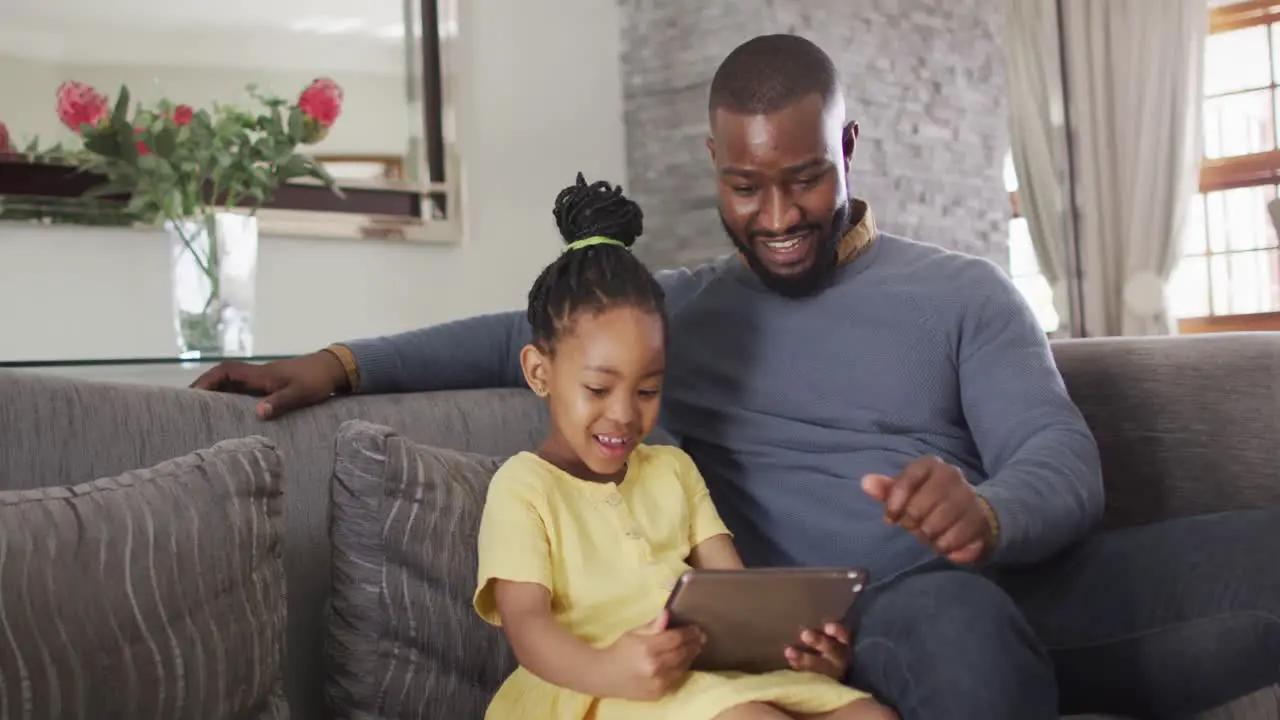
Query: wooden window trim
[[1241, 15], [1253, 322], [1254, 169], [1240, 172]]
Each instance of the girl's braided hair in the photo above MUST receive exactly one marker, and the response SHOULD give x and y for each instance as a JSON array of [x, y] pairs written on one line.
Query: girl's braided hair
[[595, 277]]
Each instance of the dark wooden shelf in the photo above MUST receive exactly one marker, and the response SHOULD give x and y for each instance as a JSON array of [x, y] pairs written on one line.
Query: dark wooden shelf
[[22, 178]]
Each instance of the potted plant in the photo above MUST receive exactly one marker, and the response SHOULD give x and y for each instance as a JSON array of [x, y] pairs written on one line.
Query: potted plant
[[202, 174]]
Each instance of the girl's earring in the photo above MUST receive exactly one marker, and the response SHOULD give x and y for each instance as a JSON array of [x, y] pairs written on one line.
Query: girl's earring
[[540, 391]]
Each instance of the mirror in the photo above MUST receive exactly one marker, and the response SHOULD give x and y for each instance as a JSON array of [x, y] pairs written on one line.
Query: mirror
[[389, 138]]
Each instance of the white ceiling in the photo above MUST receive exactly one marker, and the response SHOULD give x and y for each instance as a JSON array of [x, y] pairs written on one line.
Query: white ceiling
[[274, 34], [377, 17]]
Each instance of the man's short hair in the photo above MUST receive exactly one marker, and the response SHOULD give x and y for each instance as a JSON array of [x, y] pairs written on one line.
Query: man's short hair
[[771, 72]]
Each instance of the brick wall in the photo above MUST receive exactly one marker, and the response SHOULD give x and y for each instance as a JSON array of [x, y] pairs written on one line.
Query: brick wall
[[923, 78]]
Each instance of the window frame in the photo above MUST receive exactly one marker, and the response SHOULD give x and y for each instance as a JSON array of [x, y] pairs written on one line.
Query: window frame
[[1240, 171]]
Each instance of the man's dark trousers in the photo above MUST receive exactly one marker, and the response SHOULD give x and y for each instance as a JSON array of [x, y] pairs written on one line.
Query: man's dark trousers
[[1158, 621]]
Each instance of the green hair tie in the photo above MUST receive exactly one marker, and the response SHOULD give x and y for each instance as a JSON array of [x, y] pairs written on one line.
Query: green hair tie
[[594, 240]]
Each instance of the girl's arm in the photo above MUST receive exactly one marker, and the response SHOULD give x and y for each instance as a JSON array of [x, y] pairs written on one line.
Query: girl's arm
[[711, 542], [715, 553], [643, 664], [542, 646]]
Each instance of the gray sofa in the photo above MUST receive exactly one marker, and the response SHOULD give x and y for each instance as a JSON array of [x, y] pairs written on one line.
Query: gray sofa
[[1167, 413]]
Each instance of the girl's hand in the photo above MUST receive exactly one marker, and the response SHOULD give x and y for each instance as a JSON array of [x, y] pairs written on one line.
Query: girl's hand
[[830, 651], [648, 662]]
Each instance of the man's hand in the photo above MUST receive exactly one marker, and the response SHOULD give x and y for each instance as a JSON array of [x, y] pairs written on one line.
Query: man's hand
[[933, 501], [650, 661], [830, 654], [286, 384]]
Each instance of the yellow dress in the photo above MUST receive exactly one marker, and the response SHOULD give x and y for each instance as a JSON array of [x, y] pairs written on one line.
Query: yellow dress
[[609, 555]]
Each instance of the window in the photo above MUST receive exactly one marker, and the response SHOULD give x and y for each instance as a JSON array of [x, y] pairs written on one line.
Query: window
[[1024, 268], [1230, 257]]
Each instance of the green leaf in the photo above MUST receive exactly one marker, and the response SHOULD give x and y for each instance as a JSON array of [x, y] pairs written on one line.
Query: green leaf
[[296, 119], [120, 116], [139, 205], [165, 142], [319, 172], [286, 169], [127, 147], [100, 143], [201, 122], [152, 165]]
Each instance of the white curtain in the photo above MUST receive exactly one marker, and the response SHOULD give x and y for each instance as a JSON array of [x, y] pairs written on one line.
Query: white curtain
[[1134, 77], [1034, 77]]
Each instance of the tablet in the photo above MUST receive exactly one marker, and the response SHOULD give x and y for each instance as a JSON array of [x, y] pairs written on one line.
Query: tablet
[[751, 616]]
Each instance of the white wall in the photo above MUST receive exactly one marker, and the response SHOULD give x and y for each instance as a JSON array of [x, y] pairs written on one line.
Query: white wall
[[539, 98]]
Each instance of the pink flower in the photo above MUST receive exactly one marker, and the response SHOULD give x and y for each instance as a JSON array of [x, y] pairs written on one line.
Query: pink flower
[[321, 101], [182, 115], [5, 147], [79, 104]]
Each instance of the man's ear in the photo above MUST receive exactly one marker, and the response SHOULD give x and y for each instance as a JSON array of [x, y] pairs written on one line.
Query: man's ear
[[711, 149], [536, 370], [849, 138]]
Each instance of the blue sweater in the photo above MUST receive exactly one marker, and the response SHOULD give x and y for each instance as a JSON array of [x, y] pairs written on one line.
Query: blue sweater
[[785, 404]]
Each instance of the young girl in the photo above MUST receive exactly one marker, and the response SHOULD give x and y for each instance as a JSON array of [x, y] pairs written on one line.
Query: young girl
[[581, 542]]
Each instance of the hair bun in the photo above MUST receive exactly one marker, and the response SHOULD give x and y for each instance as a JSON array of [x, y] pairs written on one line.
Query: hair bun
[[598, 209]]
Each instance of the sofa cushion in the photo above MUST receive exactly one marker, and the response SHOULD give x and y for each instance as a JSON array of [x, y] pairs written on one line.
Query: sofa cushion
[[403, 640], [155, 593]]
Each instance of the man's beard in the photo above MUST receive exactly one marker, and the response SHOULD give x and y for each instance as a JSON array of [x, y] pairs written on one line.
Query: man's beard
[[826, 258]]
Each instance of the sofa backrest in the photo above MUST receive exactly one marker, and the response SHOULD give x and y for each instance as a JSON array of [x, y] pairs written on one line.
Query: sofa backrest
[[1185, 425], [57, 431]]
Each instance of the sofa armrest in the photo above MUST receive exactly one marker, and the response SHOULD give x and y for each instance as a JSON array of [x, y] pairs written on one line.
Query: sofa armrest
[[1186, 425]]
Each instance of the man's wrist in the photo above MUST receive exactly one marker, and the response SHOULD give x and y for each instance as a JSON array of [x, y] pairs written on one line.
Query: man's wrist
[[993, 526], [349, 367]]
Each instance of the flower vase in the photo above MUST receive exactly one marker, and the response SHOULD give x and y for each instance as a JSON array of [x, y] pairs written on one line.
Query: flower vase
[[214, 271]]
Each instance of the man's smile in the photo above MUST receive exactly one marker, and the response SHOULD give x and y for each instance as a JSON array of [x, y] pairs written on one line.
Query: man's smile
[[789, 254]]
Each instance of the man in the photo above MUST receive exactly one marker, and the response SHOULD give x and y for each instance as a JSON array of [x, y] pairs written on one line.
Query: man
[[858, 398]]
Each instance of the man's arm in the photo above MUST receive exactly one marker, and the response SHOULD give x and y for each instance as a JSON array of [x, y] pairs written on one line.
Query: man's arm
[[477, 352], [1045, 475]]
